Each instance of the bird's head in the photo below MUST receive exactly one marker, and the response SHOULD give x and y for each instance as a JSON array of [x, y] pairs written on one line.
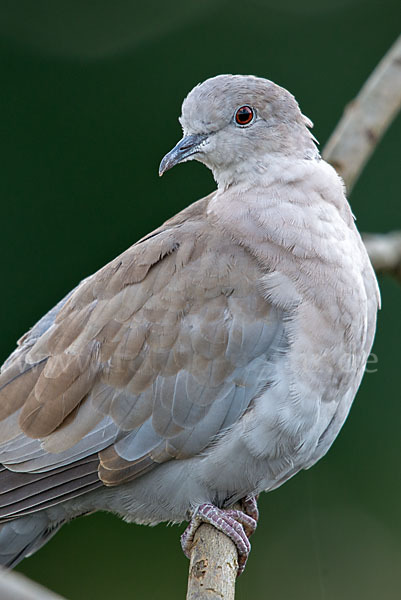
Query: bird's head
[[234, 122]]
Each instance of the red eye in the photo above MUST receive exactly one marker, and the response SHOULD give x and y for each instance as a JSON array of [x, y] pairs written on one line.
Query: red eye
[[244, 115]]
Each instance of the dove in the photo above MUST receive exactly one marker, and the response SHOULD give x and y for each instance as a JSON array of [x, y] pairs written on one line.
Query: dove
[[214, 359]]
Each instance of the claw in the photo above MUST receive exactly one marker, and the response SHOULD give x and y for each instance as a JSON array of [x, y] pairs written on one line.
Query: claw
[[236, 524]]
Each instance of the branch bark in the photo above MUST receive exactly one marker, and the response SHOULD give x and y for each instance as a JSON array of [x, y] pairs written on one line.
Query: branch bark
[[366, 118], [14, 586], [384, 251], [213, 565]]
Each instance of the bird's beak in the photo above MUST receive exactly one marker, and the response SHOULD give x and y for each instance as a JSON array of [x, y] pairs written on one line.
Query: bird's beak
[[184, 149]]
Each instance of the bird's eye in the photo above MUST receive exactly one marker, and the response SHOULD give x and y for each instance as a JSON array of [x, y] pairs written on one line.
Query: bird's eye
[[244, 115]]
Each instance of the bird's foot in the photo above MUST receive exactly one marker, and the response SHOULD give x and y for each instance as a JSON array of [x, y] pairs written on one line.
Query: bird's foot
[[250, 507], [238, 525]]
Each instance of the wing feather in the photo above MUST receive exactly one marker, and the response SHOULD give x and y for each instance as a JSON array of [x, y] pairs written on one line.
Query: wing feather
[[148, 360]]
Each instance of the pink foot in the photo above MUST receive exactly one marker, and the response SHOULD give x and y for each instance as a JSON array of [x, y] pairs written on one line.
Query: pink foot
[[236, 524], [250, 506]]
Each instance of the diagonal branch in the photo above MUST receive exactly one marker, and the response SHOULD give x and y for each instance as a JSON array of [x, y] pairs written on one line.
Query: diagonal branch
[[366, 118], [360, 129]]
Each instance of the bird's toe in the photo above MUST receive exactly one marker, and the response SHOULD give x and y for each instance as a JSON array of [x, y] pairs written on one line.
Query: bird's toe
[[236, 524]]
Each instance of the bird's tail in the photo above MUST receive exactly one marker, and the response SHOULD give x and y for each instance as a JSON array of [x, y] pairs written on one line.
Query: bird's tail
[[23, 536]]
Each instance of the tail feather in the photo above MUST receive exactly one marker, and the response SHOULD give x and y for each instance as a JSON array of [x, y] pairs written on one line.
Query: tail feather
[[22, 537]]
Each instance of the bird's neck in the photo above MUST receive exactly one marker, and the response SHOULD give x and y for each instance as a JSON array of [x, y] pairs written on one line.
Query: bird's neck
[[263, 170], [281, 202]]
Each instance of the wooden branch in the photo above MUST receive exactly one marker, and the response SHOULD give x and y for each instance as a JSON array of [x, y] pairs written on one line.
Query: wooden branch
[[366, 118], [14, 586], [213, 567], [384, 251]]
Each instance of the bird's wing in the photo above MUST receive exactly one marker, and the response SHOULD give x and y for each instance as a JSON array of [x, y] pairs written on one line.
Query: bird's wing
[[147, 360]]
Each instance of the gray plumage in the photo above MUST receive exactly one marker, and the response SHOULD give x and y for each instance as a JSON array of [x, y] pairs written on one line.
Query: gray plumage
[[215, 358]]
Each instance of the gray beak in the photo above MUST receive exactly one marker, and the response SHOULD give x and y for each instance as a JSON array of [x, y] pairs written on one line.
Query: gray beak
[[186, 147]]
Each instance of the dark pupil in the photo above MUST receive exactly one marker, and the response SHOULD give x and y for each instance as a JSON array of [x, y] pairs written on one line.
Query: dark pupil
[[244, 114]]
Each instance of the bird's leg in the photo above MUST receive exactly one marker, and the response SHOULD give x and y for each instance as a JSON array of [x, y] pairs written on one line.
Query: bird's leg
[[238, 525]]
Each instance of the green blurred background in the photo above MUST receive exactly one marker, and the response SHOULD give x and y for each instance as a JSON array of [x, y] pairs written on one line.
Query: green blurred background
[[90, 95]]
